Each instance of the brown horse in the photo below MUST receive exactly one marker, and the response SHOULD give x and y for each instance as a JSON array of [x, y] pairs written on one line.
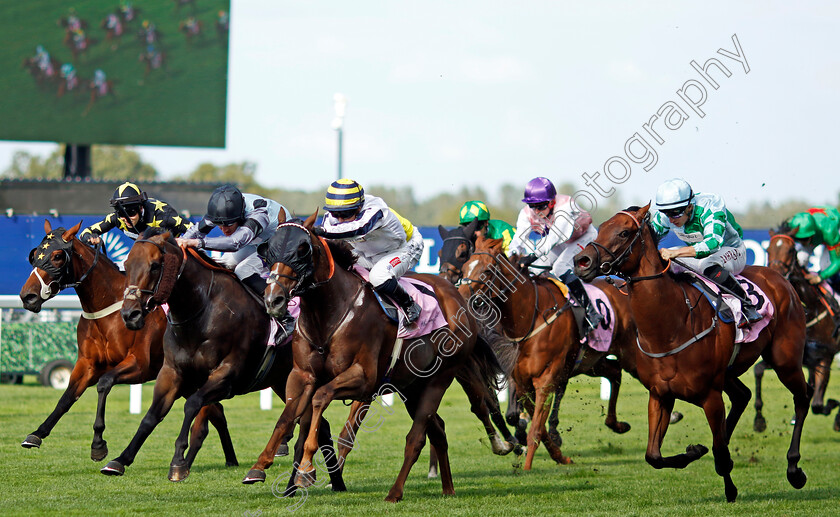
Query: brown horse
[[99, 92], [548, 350], [214, 345], [108, 353], [821, 312], [346, 348], [686, 352]]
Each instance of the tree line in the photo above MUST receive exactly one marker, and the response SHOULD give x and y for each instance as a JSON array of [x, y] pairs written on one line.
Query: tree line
[[121, 163]]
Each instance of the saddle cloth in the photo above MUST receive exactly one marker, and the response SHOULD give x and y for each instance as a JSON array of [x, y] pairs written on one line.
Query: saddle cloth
[[600, 337], [431, 317], [759, 300]]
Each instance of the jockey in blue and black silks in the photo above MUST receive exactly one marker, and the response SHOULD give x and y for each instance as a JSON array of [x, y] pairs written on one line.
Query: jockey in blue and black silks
[[245, 220]]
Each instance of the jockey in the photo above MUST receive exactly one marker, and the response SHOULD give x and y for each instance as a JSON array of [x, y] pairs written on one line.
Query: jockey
[[68, 72], [489, 228], [386, 243], [563, 229], [245, 220], [42, 58], [133, 212], [98, 79], [820, 225], [713, 238]]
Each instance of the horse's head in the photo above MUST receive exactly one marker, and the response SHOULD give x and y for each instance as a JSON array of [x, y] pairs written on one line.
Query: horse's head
[[456, 249], [52, 267], [152, 267], [488, 273], [619, 247], [781, 251], [290, 255]]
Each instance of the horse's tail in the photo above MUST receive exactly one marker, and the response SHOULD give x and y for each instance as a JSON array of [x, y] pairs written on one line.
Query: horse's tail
[[484, 364]]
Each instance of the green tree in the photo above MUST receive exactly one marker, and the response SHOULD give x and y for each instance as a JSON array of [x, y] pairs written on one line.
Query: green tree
[[28, 166], [240, 174], [107, 163]]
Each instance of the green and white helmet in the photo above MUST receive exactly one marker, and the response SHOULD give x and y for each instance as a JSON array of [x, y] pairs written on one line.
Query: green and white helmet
[[474, 210]]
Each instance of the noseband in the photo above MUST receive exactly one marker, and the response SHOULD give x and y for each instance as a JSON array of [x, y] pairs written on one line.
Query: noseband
[[156, 296], [609, 267], [59, 275], [787, 267]]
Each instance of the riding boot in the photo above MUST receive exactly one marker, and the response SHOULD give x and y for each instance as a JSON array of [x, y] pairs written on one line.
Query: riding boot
[[286, 325], [578, 292], [255, 283], [394, 290], [722, 277]]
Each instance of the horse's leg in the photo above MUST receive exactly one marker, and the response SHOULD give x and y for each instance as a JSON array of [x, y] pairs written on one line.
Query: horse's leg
[[433, 462], [82, 376], [167, 386], [347, 438], [611, 370], [514, 409], [789, 371], [436, 431], [538, 433], [214, 414], [715, 412], [659, 417], [300, 387], [334, 468], [347, 382], [822, 372], [478, 396], [126, 372], [759, 424], [217, 387], [739, 397]]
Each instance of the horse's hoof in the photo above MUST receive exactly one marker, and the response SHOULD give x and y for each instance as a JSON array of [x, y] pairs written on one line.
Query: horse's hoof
[[433, 473], [283, 450], [696, 451], [178, 472], [98, 454], [31, 442], [760, 424], [731, 494], [620, 427], [113, 468], [253, 476], [676, 416], [305, 479], [393, 498], [232, 463], [797, 478], [837, 425], [338, 486], [508, 448]]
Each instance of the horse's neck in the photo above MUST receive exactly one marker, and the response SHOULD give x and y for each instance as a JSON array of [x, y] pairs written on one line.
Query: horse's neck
[[517, 296], [193, 289], [324, 306], [656, 302], [103, 285]]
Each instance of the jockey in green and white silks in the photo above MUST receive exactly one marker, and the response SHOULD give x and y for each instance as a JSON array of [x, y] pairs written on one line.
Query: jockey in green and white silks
[[490, 228], [712, 236], [386, 243], [816, 226]]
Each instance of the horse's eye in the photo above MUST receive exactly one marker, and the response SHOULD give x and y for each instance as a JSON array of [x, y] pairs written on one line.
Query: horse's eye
[[624, 234], [155, 266]]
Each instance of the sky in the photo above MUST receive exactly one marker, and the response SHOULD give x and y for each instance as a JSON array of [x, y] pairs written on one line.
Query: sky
[[442, 95]]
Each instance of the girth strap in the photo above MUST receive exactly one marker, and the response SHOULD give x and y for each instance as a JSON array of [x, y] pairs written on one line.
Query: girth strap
[[680, 348], [104, 312]]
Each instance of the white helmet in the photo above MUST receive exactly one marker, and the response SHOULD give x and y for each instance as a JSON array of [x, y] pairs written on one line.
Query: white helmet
[[674, 193]]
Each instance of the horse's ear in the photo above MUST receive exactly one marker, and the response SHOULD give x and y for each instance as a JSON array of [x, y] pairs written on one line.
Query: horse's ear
[[643, 212], [792, 231], [281, 217], [469, 231], [444, 233], [47, 226], [68, 235], [310, 221], [772, 231]]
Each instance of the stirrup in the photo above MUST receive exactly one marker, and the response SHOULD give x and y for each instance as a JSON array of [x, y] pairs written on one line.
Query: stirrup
[[751, 315], [412, 313], [285, 328]]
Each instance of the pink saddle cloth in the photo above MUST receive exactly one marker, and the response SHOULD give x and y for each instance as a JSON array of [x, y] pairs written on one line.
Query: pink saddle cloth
[[758, 299], [431, 317], [600, 337]]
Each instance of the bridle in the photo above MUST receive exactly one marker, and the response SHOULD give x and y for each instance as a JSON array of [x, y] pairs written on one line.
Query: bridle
[[156, 297], [787, 267], [610, 267], [59, 275], [456, 272], [305, 275]]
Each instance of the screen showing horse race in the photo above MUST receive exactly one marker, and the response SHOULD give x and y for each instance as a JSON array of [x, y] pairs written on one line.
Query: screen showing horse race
[[131, 72]]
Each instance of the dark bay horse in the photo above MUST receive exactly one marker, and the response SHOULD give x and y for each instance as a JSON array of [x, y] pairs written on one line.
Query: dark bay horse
[[537, 318], [346, 348], [686, 352], [213, 346], [821, 314], [109, 354]]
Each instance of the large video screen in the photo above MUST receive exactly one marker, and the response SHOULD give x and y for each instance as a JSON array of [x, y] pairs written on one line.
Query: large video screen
[[139, 72]]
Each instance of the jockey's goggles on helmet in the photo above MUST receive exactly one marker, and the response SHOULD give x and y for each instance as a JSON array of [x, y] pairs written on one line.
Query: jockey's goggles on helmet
[[674, 213], [130, 210], [228, 223], [538, 206], [344, 214]]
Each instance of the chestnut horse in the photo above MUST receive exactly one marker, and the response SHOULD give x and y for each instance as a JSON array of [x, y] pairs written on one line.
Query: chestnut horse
[[213, 346], [686, 352], [821, 312], [108, 353], [346, 348], [548, 351]]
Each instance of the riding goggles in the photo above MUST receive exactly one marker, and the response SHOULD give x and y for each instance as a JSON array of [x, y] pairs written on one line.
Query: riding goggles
[[538, 206]]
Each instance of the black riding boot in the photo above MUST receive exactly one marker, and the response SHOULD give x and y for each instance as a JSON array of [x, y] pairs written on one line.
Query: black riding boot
[[395, 291], [578, 292], [722, 277], [255, 283]]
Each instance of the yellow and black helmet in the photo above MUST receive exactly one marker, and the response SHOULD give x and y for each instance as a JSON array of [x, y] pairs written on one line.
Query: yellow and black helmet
[[344, 194], [128, 194]]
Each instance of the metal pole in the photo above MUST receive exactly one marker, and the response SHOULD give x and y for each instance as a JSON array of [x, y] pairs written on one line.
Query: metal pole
[[340, 134]]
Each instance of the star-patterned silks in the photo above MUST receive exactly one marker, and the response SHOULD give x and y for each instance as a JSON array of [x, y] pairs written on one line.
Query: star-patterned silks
[[158, 204]]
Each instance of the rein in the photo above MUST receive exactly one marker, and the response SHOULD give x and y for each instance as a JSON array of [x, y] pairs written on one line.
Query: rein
[[133, 292]]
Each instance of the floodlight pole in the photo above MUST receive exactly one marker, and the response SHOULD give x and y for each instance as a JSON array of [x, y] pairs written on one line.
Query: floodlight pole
[[76, 162], [338, 124]]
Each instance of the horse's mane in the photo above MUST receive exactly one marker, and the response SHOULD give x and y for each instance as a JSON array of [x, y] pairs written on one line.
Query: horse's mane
[[784, 227], [342, 253], [105, 259]]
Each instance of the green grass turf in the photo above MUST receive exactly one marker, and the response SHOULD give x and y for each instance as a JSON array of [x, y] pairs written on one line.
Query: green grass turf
[[182, 106], [609, 476]]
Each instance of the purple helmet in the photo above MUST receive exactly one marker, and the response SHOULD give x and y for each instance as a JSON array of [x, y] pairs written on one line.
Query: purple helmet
[[539, 190]]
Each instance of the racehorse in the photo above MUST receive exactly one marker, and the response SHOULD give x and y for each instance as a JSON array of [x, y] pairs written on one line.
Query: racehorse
[[686, 351], [214, 346], [108, 353], [345, 348], [77, 41], [113, 25], [99, 91], [47, 74], [548, 352], [153, 60], [192, 27], [821, 312]]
